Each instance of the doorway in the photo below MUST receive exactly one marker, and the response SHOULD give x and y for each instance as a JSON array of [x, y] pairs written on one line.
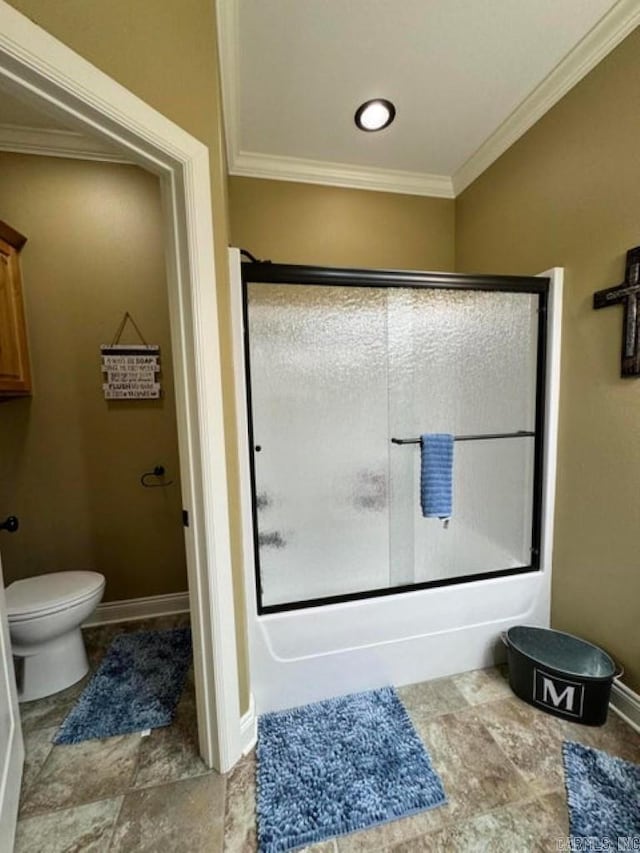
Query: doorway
[[77, 467], [38, 69]]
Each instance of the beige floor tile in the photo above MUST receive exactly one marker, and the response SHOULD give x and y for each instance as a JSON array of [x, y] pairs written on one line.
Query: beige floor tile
[[483, 685], [85, 828], [240, 833], [383, 837], [322, 847], [180, 817], [520, 827], [476, 774], [50, 711], [555, 827], [616, 737], [168, 754], [37, 746], [83, 772], [431, 699], [171, 753], [436, 842], [531, 739]]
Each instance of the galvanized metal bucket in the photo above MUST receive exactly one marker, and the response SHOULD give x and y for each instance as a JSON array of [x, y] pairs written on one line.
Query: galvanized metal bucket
[[560, 674]]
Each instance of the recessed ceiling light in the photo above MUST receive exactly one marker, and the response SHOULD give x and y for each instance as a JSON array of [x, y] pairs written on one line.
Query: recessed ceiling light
[[375, 115]]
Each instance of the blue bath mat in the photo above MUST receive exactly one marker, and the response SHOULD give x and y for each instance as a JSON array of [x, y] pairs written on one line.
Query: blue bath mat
[[338, 766], [603, 794], [136, 687]]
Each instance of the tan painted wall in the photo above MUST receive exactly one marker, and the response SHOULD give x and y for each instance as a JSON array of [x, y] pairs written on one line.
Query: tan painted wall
[[287, 222], [166, 53], [567, 194], [71, 461]]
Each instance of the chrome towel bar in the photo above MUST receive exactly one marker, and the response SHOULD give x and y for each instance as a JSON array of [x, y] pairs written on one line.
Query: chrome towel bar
[[522, 433]]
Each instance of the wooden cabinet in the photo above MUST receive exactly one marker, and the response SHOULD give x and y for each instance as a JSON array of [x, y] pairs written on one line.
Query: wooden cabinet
[[15, 375]]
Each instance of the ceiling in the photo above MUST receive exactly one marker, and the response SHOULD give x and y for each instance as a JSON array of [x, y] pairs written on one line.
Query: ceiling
[[467, 78]]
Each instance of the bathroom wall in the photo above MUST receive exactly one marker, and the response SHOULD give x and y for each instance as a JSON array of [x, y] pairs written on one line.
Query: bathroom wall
[[71, 461], [567, 194], [294, 223]]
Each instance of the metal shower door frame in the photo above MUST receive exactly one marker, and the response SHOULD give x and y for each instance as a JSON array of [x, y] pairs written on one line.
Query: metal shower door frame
[[265, 272]]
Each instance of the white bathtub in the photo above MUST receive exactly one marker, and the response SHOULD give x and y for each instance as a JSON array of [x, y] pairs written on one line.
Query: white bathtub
[[302, 656]]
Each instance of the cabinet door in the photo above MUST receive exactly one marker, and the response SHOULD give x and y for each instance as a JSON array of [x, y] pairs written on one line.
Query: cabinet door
[[15, 378]]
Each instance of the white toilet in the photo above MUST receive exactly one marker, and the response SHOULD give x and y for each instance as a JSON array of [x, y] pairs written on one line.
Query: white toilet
[[45, 614]]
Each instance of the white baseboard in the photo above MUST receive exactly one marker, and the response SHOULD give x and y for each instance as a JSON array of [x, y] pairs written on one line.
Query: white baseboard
[[249, 727], [626, 703], [139, 608]]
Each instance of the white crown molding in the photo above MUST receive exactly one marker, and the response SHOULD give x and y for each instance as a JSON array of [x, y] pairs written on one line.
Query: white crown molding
[[610, 30], [227, 13], [55, 143], [254, 165]]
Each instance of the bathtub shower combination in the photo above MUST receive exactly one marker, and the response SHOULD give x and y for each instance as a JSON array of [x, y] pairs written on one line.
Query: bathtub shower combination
[[340, 372]]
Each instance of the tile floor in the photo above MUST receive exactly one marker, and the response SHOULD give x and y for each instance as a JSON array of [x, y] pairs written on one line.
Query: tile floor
[[499, 759]]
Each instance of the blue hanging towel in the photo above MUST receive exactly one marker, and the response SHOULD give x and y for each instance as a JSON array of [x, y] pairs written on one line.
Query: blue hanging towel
[[436, 474]]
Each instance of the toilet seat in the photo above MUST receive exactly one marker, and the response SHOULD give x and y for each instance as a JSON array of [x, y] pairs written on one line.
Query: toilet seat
[[40, 596]]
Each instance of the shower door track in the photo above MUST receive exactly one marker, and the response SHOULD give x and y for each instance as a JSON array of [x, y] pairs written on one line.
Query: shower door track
[[265, 272]]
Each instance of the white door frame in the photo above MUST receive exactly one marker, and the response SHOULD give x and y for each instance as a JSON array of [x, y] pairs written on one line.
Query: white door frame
[[37, 67], [11, 752]]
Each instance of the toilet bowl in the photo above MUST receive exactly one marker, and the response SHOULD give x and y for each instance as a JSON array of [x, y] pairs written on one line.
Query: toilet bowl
[[45, 614]]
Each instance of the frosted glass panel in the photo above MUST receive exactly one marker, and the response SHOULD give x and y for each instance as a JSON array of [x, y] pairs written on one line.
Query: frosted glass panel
[[319, 393], [463, 362], [336, 372]]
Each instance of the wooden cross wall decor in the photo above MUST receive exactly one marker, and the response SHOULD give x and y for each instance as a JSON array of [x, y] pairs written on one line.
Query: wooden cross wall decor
[[628, 293]]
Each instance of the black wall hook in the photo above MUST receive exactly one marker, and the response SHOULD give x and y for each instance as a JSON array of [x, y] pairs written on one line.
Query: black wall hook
[[158, 471], [10, 524]]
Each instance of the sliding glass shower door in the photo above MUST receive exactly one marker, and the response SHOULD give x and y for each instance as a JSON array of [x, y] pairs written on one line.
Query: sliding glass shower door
[[336, 372], [463, 362], [320, 425]]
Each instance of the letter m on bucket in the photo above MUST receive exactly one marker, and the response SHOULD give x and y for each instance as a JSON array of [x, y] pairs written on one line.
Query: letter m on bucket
[[561, 695]]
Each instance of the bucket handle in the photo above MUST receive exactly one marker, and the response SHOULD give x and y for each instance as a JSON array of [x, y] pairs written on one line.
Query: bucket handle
[[505, 639]]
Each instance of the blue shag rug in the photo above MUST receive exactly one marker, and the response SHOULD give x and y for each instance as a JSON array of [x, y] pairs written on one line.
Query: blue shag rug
[[603, 793], [338, 766], [136, 687]]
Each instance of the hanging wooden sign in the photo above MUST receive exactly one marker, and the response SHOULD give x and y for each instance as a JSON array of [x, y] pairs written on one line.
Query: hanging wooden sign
[[130, 371], [131, 368]]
